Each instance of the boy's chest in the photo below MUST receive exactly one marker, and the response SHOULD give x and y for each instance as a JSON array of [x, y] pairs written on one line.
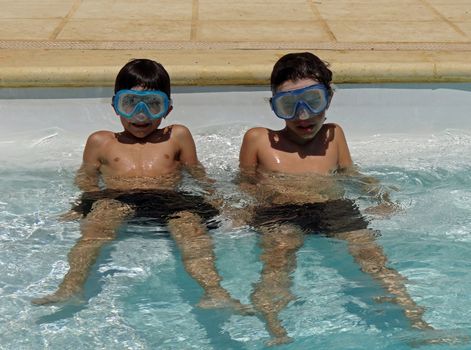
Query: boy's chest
[[294, 162], [139, 160]]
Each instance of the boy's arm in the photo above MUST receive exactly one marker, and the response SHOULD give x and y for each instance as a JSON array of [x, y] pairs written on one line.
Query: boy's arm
[[344, 158], [248, 160], [248, 156], [370, 185], [189, 159], [186, 144], [88, 175]]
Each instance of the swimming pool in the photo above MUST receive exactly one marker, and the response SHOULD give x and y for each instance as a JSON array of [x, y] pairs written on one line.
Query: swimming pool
[[414, 137]]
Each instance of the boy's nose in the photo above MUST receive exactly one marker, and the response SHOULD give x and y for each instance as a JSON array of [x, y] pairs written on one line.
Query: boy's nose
[[302, 113]]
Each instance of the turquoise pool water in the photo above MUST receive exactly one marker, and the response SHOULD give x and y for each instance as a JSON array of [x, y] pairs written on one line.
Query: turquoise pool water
[[139, 296]]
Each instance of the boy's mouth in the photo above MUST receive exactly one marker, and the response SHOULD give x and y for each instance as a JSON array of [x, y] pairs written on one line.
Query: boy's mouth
[[306, 127], [141, 125]]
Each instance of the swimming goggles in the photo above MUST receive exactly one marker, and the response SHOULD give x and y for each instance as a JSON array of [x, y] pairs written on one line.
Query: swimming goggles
[[153, 103], [314, 98]]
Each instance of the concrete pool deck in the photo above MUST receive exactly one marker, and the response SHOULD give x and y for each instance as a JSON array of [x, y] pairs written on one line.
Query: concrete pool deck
[[219, 42]]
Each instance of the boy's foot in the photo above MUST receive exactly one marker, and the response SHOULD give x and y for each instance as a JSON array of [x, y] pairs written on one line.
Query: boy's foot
[[57, 297], [279, 340], [440, 337], [224, 302]]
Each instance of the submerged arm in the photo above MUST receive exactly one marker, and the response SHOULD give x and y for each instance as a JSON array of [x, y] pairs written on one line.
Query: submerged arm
[[248, 161], [344, 158], [373, 189], [370, 185], [198, 172], [87, 177], [189, 159]]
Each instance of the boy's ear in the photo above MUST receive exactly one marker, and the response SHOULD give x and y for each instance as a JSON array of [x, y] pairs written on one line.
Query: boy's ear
[[114, 109], [169, 110], [331, 94]]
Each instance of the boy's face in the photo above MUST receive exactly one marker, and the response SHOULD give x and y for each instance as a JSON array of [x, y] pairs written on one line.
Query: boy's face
[[140, 126], [305, 125]]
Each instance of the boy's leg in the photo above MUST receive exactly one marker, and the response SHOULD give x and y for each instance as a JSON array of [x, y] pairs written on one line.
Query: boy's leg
[[272, 293], [98, 228], [196, 247], [372, 260]]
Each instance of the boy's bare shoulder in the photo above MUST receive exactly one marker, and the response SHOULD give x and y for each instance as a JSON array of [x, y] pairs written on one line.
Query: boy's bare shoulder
[[256, 133], [100, 137], [178, 129], [333, 130], [334, 126]]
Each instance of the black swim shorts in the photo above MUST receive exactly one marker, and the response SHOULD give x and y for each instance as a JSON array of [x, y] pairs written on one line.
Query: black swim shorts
[[335, 216], [158, 205]]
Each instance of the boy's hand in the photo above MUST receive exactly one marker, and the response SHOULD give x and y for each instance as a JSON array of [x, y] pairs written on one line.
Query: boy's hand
[[384, 209], [238, 216], [71, 215], [216, 202]]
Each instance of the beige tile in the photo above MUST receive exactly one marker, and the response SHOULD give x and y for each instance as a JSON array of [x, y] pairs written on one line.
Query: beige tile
[[99, 67], [464, 3], [265, 22], [367, 57], [450, 56], [148, 30], [27, 29], [376, 10], [454, 11], [465, 27], [414, 32], [255, 11], [35, 9], [269, 31], [453, 71], [142, 9], [248, 3]]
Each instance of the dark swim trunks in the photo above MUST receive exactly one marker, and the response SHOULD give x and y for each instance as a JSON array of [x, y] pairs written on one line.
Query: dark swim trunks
[[158, 205], [336, 216]]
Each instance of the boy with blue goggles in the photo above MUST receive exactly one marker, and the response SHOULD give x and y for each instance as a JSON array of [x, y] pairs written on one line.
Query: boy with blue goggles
[[286, 104], [287, 170], [152, 103]]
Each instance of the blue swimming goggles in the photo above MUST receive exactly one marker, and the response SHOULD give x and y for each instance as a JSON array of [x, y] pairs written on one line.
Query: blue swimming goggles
[[314, 98], [152, 103]]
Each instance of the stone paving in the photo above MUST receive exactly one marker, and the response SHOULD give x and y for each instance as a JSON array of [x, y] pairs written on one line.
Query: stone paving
[[220, 42]]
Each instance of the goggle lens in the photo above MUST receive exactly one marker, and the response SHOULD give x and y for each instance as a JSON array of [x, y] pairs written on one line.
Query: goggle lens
[[314, 97], [154, 104]]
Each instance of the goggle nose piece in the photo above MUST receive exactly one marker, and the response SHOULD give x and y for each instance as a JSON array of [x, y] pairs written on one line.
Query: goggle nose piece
[[302, 111], [140, 113]]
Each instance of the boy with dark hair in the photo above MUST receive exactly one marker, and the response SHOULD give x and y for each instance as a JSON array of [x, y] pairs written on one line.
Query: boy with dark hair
[[140, 168], [291, 169]]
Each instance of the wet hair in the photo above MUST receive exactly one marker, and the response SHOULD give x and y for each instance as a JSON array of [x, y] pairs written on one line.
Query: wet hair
[[143, 72], [300, 65]]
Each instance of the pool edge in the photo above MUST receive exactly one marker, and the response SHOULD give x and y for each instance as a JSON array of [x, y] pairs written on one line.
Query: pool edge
[[91, 68]]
